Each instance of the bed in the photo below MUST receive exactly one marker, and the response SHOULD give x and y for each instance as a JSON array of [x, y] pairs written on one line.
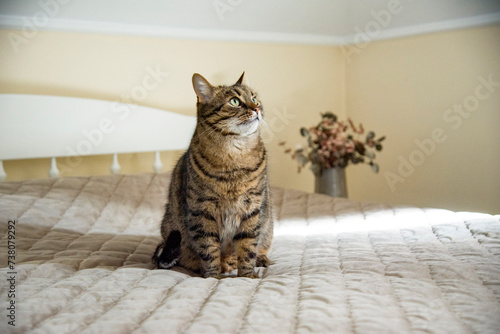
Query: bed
[[76, 251]]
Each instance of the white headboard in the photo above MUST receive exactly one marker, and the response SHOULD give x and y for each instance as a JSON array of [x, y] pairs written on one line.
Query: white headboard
[[38, 126]]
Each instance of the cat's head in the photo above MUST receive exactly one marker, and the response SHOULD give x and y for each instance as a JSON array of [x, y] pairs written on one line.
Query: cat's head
[[229, 110]]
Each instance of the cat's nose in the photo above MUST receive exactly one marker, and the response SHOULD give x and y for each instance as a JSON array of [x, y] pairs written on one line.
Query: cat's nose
[[258, 112]]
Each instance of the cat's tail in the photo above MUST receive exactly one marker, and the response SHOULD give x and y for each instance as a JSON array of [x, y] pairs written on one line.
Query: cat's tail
[[168, 252]]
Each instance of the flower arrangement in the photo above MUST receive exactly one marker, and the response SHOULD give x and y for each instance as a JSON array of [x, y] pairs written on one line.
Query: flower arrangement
[[334, 143]]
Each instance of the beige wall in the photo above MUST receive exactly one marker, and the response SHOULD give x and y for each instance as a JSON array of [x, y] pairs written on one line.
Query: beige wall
[[292, 80], [400, 88], [407, 89]]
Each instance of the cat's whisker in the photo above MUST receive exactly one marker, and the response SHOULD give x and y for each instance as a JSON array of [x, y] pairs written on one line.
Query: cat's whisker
[[263, 121], [208, 131]]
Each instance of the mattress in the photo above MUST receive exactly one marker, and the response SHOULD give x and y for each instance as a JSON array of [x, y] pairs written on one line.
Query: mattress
[[80, 262]]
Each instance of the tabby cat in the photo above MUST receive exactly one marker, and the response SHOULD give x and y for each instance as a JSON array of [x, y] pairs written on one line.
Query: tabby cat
[[218, 216]]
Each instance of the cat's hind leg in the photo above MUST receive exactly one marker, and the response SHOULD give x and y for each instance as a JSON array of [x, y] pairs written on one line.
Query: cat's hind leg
[[168, 252]]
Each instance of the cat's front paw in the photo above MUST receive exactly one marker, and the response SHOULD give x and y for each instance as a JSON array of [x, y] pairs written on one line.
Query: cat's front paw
[[211, 275], [229, 263], [217, 276], [247, 273]]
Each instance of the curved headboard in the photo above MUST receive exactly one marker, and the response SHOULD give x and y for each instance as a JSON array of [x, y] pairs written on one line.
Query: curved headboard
[[39, 126]]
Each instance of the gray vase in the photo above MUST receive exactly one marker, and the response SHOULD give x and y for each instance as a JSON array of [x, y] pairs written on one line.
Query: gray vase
[[331, 182]]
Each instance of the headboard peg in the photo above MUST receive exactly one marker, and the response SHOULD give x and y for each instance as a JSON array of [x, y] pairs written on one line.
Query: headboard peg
[[158, 165], [53, 171], [3, 175], [115, 166]]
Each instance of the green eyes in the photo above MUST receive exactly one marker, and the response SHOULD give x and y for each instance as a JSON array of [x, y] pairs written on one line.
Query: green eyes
[[234, 102]]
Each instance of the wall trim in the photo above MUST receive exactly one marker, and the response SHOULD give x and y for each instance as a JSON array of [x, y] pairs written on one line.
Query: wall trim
[[420, 29], [79, 26]]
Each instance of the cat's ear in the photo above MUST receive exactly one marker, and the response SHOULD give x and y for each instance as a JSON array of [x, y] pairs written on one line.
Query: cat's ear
[[240, 80], [203, 88]]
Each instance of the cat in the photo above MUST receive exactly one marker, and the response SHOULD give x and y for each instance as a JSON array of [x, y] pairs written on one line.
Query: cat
[[218, 217]]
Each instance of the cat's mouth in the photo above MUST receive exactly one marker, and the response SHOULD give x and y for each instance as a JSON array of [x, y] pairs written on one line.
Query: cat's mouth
[[249, 120], [254, 117], [248, 124]]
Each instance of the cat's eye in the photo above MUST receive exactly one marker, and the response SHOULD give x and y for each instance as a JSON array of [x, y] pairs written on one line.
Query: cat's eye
[[254, 100], [234, 102]]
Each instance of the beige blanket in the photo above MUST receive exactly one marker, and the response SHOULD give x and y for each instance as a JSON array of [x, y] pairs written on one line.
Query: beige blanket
[[81, 263]]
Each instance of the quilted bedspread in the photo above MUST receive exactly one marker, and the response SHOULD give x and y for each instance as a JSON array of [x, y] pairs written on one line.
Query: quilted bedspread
[[80, 262]]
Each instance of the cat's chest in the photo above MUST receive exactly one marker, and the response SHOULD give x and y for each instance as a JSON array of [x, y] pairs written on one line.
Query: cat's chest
[[231, 211]]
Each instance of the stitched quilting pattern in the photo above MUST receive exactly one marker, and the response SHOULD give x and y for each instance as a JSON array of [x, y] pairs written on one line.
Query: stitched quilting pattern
[[83, 265]]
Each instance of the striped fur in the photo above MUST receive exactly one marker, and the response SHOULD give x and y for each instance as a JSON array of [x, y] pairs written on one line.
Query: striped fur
[[218, 216]]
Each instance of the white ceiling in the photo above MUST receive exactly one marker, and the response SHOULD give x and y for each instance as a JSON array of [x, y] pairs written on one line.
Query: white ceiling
[[330, 22]]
